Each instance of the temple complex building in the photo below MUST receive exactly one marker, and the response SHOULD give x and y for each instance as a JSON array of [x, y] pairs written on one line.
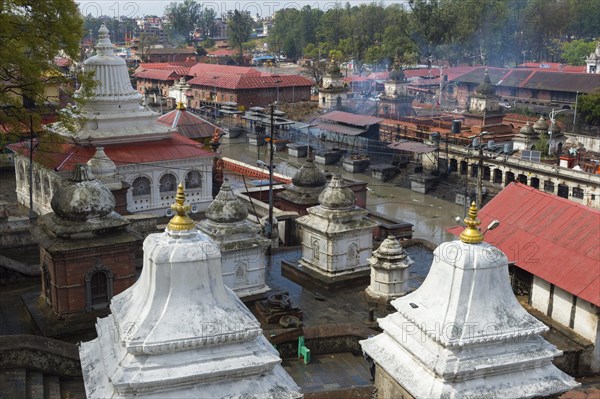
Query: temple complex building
[[396, 100], [593, 61], [149, 157], [179, 332], [463, 333], [304, 190]]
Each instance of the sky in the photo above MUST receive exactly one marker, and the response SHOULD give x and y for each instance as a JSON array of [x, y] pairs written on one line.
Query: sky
[[130, 8]]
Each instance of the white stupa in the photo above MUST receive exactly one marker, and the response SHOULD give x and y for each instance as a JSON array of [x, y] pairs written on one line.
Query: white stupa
[[463, 334], [179, 332], [113, 111]]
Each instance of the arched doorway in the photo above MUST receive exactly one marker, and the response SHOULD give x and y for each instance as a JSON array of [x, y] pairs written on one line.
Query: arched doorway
[[535, 183], [497, 176], [486, 173], [453, 165], [509, 177], [563, 191], [522, 179]]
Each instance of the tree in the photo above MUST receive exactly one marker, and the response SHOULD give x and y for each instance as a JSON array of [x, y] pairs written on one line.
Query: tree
[[147, 40], [588, 109], [183, 18], [239, 28], [207, 22], [33, 33], [574, 53]]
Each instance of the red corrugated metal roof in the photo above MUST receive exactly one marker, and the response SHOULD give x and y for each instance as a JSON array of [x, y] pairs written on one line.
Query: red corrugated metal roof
[[65, 156], [551, 237], [223, 52], [166, 65], [350, 119]]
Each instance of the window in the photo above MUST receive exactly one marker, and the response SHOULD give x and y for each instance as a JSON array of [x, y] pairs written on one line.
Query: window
[[98, 287], [315, 249], [168, 183], [548, 186], [140, 186], [352, 256], [240, 274], [577, 192], [193, 179]]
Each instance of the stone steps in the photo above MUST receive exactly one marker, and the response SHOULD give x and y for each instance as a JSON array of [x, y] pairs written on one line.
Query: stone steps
[[20, 383]]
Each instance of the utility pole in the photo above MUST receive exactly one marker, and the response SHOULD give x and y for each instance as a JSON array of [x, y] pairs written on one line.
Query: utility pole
[[480, 178], [31, 215], [270, 225]]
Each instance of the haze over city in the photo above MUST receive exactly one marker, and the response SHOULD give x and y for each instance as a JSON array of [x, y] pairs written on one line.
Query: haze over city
[[156, 7]]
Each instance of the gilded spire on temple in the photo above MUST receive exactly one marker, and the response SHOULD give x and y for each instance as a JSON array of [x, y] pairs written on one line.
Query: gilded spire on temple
[[180, 106], [181, 221], [472, 235]]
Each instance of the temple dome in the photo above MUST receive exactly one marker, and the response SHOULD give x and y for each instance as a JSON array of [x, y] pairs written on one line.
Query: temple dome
[[527, 130], [110, 73], [333, 69], [82, 197], [541, 124], [337, 195], [226, 207], [486, 88], [309, 175]]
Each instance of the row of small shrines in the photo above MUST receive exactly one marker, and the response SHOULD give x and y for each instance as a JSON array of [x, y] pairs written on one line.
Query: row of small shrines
[[88, 253], [425, 350]]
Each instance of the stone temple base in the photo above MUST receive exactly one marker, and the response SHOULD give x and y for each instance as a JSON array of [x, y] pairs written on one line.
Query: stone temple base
[[311, 279], [372, 297]]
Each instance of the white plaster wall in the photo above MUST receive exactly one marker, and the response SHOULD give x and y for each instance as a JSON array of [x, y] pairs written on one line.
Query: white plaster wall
[[586, 320], [254, 260], [590, 143], [561, 307], [339, 245], [540, 294]]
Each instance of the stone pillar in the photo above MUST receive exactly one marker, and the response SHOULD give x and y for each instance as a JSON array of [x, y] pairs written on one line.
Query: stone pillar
[[389, 272]]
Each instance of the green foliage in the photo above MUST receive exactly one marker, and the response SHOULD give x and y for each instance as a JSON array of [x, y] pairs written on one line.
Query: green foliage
[[208, 43], [182, 18], [239, 28], [33, 33], [575, 52], [588, 109]]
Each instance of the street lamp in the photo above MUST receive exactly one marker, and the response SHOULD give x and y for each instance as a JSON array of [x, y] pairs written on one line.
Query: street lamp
[[479, 172], [214, 78], [552, 122]]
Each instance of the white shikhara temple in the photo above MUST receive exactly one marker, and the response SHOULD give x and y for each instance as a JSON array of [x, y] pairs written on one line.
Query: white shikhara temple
[[463, 334], [149, 157], [179, 332], [337, 237], [242, 248]]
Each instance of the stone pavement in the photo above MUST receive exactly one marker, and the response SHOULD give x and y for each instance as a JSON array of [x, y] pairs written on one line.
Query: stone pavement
[[329, 372]]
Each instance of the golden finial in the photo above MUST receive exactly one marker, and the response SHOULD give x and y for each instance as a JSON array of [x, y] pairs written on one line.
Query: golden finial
[[181, 221], [180, 105], [472, 235]]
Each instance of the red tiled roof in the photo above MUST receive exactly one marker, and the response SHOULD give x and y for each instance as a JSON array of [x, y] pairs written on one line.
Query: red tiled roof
[[354, 78], [157, 74], [166, 65], [554, 66], [548, 236], [67, 155], [237, 82], [350, 119], [172, 50], [214, 69], [379, 76], [188, 124]]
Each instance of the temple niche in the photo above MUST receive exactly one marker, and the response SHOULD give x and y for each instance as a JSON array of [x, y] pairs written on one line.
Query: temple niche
[[242, 247], [526, 139], [179, 332], [337, 237], [484, 106], [463, 334]]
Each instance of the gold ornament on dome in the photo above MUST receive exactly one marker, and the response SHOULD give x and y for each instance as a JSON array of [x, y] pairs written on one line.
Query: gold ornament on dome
[[181, 221], [472, 235]]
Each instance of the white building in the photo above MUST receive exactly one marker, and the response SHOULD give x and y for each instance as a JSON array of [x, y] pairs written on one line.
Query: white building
[[242, 247], [389, 271], [179, 332], [593, 61], [333, 91], [463, 334], [336, 235], [149, 157]]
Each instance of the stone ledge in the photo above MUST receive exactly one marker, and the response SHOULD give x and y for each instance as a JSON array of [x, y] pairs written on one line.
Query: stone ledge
[[310, 279]]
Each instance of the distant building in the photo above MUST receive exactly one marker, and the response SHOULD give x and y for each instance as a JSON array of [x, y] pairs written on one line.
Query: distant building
[[333, 92], [178, 54], [593, 61]]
